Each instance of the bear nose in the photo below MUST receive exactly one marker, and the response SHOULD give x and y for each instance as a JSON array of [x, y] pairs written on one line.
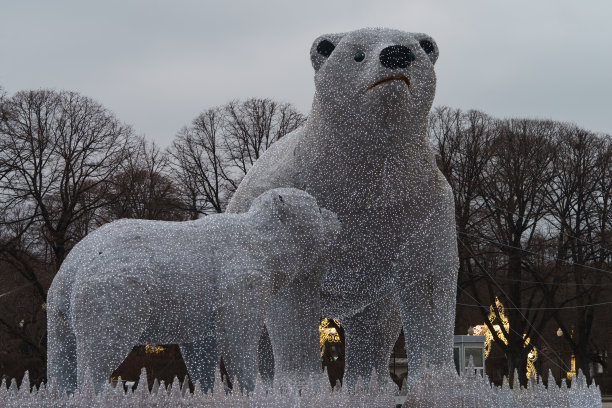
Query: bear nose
[[396, 56]]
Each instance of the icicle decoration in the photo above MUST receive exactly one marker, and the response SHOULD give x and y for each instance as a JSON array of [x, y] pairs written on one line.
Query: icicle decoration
[[435, 387]]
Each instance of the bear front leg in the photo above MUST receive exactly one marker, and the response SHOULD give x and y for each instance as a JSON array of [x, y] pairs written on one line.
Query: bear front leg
[[428, 319], [427, 281], [370, 336], [293, 324], [239, 322]]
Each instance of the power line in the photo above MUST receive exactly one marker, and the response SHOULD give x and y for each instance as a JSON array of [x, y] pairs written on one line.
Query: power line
[[509, 299], [533, 252], [553, 283], [532, 345], [541, 308], [568, 235], [16, 289]]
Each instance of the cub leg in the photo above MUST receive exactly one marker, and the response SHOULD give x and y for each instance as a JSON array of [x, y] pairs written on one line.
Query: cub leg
[[293, 323], [202, 358], [240, 319]]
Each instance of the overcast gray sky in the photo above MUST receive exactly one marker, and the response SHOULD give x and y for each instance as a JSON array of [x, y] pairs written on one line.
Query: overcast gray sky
[[157, 64]]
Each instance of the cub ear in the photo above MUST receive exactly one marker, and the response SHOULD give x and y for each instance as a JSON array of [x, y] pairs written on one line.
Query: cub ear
[[429, 46], [280, 209], [322, 48]]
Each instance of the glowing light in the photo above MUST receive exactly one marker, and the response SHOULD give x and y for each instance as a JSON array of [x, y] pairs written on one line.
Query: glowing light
[[154, 349], [571, 374], [328, 334], [364, 153], [226, 266], [483, 330]]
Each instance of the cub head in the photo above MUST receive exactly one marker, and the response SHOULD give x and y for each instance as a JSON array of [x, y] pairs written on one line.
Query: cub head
[[374, 69], [294, 212]]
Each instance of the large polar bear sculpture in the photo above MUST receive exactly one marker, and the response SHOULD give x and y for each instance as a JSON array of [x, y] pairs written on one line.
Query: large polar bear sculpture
[[136, 282], [364, 154]]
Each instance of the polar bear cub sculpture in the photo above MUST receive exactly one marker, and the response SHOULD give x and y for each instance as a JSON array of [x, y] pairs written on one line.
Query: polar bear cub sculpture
[[137, 282]]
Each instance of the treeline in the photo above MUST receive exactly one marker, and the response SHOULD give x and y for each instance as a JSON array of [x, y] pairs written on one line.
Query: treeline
[[532, 197], [534, 228], [68, 165]]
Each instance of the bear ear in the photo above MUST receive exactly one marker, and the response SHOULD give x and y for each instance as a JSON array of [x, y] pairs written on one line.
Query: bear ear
[[246, 204], [322, 48], [429, 46]]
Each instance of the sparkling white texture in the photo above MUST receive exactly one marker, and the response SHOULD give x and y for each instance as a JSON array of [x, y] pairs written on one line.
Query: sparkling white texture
[[364, 154], [194, 283], [432, 388]]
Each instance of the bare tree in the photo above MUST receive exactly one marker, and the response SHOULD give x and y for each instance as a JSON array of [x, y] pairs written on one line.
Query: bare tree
[[532, 209], [142, 187], [500, 172], [578, 208], [57, 148], [514, 187], [58, 153], [211, 156], [464, 144], [201, 166], [253, 125]]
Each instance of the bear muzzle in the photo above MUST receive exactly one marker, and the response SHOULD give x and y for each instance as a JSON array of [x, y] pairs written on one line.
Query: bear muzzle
[[390, 78]]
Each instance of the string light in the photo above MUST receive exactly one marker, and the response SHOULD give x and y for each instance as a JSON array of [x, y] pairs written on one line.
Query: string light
[[155, 282], [328, 334], [364, 154], [154, 349], [209, 285]]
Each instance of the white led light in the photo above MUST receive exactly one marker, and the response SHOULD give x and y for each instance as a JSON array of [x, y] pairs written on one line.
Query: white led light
[[135, 282], [364, 154]]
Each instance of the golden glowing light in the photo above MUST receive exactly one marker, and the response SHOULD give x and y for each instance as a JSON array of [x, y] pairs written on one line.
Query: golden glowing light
[[572, 373], [483, 330], [328, 334], [153, 349]]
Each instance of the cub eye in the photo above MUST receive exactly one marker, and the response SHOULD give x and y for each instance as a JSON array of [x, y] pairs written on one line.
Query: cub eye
[[359, 56]]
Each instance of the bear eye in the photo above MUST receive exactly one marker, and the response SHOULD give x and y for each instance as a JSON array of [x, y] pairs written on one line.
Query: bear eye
[[359, 56], [325, 48]]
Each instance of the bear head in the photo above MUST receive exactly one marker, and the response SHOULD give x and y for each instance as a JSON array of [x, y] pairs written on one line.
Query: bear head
[[375, 71], [299, 234], [293, 211]]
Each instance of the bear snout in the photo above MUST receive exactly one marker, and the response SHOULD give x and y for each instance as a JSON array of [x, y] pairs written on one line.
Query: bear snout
[[396, 56]]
